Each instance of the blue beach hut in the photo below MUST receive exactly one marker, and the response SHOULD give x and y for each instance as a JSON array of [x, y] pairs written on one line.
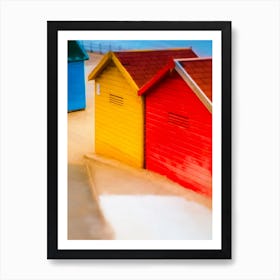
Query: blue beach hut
[[76, 76]]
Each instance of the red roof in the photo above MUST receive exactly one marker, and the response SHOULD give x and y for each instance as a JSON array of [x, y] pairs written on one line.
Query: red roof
[[143, 65], [200, 70]]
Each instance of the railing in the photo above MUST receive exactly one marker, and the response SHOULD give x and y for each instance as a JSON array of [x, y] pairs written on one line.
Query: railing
[[93, 46]]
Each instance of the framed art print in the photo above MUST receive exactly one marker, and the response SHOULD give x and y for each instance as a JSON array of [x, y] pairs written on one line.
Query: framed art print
[[139, 140]]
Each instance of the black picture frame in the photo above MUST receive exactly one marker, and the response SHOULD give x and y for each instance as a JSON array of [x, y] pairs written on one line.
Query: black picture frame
[[53, 27]]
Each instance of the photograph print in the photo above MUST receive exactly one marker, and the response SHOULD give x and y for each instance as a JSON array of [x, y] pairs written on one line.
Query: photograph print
[[139, 140]]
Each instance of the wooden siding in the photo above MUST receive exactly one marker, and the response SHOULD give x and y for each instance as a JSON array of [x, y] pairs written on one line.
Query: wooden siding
[[179, 135], [119, 118]]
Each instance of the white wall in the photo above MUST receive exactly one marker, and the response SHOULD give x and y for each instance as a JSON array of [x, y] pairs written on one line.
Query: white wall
[[255, 139]]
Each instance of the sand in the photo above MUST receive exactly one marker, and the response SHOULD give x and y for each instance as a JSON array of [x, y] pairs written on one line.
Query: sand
[[85, 220]]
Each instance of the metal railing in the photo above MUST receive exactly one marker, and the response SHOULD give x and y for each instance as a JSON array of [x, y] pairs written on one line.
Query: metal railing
[[93, 46]]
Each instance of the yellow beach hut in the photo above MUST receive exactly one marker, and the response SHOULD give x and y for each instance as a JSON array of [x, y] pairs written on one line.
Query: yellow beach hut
[[119, 110]]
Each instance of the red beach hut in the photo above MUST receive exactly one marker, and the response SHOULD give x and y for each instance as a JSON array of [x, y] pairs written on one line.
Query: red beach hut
[[178, 122]]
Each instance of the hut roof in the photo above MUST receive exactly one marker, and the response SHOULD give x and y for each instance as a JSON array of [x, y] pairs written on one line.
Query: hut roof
[[76, 52], [140, 67], [143, 65]]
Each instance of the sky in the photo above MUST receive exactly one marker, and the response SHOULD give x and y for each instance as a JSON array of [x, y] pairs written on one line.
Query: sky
[[200, 47]]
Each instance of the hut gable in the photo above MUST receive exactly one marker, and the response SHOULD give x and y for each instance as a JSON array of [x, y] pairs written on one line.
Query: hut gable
[[108, 59]]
